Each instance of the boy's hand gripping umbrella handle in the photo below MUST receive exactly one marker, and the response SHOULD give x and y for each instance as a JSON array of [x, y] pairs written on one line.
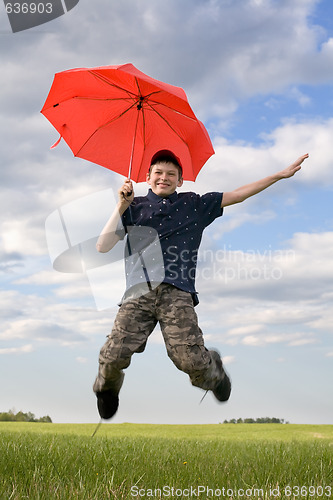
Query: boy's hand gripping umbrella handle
[[126, 190]]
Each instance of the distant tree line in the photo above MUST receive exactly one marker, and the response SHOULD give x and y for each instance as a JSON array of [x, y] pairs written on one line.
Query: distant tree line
[[10, 416], [264, 420]]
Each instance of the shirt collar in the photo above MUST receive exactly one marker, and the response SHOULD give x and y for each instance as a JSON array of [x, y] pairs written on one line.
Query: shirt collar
[[154, 197]]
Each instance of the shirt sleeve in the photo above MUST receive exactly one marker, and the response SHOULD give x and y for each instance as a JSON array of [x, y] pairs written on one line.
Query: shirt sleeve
[[209, 207]]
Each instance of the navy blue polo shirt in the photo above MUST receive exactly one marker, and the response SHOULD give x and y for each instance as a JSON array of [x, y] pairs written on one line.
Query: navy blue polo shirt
[[174, 227]]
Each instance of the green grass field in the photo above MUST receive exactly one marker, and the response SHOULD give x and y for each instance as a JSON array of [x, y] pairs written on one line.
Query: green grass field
[[131, 461]]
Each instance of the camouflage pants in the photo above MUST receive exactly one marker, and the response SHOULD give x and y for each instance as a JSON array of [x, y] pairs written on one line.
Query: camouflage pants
[[135, 321]]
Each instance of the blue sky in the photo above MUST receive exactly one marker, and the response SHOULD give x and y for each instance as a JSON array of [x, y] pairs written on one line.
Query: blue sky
[[259, 74]]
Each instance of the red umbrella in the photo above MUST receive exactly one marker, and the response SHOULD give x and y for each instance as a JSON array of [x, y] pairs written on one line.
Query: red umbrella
[[118, 117]]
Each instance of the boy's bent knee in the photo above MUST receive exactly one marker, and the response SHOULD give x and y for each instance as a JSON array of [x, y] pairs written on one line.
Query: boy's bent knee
[[189, 358]]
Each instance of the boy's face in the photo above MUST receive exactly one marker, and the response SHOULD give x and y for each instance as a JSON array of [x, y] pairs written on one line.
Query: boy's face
[[164, 179]]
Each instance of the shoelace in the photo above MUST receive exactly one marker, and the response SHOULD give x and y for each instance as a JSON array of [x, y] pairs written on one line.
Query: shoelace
[[97, 427], [203, 397]]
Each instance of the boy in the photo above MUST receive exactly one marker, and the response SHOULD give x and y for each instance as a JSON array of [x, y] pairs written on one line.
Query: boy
[[178, 221]]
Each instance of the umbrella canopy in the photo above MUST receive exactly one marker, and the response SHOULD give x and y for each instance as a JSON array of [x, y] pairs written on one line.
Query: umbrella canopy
[[118, 117]]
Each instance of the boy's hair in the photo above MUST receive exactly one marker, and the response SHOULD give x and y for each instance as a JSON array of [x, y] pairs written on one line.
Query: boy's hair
[[166, 156]]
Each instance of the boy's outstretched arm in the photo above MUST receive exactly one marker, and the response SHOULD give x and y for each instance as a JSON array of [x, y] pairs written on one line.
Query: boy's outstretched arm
[[244, 192]]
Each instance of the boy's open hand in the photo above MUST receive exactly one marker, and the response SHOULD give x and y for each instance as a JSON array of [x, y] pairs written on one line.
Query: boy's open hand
[[293, 168]]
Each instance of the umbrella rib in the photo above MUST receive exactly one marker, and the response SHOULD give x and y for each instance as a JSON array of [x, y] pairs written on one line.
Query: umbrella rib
[[105, 80], [102, 98], [194, 119], [169, 125], [137, 84], [131, 94], [159, 114], [147, 96], [130, 99], [104, 125], [148, 100]]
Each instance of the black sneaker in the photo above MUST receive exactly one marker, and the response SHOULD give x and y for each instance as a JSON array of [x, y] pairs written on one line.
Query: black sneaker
[[107, 403], [223, 388]]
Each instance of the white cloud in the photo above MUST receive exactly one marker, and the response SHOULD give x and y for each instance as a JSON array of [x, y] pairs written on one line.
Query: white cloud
[[228, 360], [45, 320], [23, 234], [244, 330], [277, 274], [17, 350], [295, 339], [47, 278], [302, 341], [236, 164], [82, 360], [299, 96], [251, 307]]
